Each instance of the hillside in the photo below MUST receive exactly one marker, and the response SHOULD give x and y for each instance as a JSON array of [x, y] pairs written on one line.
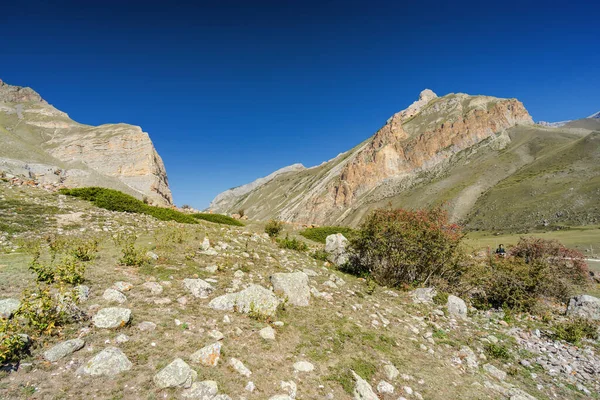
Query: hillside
[[39, 142], [457, 150]]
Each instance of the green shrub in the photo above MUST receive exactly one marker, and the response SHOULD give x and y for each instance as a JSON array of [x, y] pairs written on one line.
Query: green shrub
[[292, 244], [218, 219], [320, 255], [320, 234], [114, 200], [498, 351], [402, 247], [45, 311], [67, 270], [273, 228], [574, 330], [441, 298], [343, 375], [131, 255], [12, 345]]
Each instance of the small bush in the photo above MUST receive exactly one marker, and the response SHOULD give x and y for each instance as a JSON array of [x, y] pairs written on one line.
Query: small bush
[[130, 254], [218, 219], [574, 330], [12, 345], [45, 311], [401, 247], [320, 255], [241, 212], [320, 234], [68, 270], [273, 228], [498, 351], [292, 244]]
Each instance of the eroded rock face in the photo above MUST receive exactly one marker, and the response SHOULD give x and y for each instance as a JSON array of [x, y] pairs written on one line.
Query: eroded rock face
[[585, 306], [118, 156]]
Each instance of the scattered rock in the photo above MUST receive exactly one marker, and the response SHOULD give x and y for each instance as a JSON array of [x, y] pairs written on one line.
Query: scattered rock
[[303, 366], [239, 367], [254, 298], [205, 245], [384, 387], [154, 287], [335, 246], [456, 307], [250, 387], [123, 286], [267, 333], [423, 295], [391, 372], [83, 292], [290, 387], [362, 389], [63, 349], [199, 288], [146, 326], [293, 286], [110, 361], [8, 307], [152, 255], [205, 390], [122, 338], [495, 372], [176, 374], [584, 306], [114, 296], [112, 317], [208, 355]]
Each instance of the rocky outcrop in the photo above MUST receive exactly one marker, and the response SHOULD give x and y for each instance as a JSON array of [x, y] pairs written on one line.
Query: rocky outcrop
[[43, 143], [418, 139]]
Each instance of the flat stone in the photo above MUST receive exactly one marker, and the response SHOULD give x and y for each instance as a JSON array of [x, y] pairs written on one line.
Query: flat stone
[[303, 366], [146, 326], [208, 355], [114, 296], [176, 374], [8, 307], [239, 367], [109, 362], [198, 288], [63, 349], [112, 317], [205, 390], [495, 372], [293, 287], [267, 333]]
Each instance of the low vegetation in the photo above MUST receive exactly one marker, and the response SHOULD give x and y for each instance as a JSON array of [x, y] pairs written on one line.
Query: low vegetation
[[573, 331], [131, 255], [218, 219], [273, 228], [320, 234], [292, 244]]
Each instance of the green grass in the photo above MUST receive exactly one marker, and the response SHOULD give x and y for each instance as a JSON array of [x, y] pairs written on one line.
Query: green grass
[[320, 234], [114, 200], [218, 219]]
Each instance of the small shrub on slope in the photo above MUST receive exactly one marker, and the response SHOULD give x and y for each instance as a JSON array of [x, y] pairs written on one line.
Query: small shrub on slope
[[402, 247], [320, 234], [131, 255], [292, 244], [574, 330], [273, 228], [12, 345]]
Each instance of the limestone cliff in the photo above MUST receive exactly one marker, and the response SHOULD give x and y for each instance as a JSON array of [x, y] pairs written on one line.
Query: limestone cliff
[[44, 143], [420, 138]]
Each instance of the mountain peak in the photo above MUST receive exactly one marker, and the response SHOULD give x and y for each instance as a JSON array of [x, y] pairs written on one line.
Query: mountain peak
[[427, 95], [18, 94], [595, 116]]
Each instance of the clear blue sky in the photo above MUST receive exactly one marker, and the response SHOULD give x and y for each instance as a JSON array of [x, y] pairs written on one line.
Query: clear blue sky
[[231, 90]]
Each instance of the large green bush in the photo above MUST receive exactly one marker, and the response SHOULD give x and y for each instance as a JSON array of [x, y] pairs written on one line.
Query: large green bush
[[114, 200], [320, 234], [403, 247], [218, 219]]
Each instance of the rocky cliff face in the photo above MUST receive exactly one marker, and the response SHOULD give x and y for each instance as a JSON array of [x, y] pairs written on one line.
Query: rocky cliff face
[[44, 143], [420, 138]]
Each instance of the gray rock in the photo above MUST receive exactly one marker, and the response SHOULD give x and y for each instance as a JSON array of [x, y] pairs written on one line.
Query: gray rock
[[468, 356], [391, 372], [154, 287], [110, 361], [205, 245], [114, 296], [199, 288], [63, 349], [495, 372], [293, 286], [303, 366], [83, 292], [123, 286], [456, 307], [152, 255], [423, 295], [146, 326], [584, 306], [205, 390], [267, 333], [239, 367], [384, 387], [176, 374], [208, 355], [112, 317], [254, 298], [8, 307], [335, 246], [362, 389]]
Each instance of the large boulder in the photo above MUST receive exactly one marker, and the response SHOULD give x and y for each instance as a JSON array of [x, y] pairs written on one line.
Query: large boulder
[[63, 349], [176, 374], [362, 389], [584, 306], [254, 298], [112, 317], [110, 362], [335, 246], [198, 287], [456, 307], [8, 307], [293, 286]]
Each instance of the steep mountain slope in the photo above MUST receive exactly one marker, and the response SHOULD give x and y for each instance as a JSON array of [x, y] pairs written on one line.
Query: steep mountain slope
[[480, 156], [43, 143]]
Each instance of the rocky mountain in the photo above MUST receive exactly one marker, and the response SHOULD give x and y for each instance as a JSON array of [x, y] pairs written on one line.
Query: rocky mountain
[[483, 157], [42, 143]]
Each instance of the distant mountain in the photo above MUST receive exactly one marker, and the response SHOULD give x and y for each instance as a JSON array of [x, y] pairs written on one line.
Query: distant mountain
[[563, 123], [596, 116], [480, 156], [39, 142]]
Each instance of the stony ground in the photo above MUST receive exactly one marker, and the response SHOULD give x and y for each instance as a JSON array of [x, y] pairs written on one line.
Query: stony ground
[[202, 322]]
